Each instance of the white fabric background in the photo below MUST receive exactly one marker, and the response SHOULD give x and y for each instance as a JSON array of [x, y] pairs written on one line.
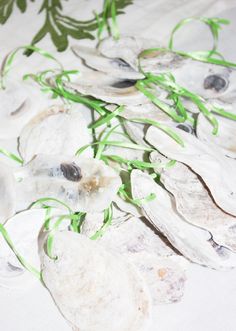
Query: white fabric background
[[210, 299]]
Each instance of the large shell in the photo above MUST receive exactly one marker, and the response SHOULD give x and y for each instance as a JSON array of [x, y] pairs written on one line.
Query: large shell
[[108, 89], [115, 67], [126, 48], [19, 103], [54, 131], [93, 287], [195, 204], [216, 170], [84, 184], [161, 268], [23, 230], [7, 193], [225, 139], [208, 80], [191, 241]]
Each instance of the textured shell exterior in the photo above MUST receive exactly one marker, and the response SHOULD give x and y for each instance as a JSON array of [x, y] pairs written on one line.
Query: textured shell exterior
[[54, 131], [225, 139], [93, 287], [7, 193], [104, 88], [195, 204], [115, 67], [162, 270], [84, 184], [207, 80], [126, 48], [19, 103], [207, 161], [191, 241]]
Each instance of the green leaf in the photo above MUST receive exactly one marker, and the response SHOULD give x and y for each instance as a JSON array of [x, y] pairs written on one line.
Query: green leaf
[[21, 4]]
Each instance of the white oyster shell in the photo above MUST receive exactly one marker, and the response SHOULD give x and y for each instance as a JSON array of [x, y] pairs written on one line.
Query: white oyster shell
[[54, 131], [19, 103], [84, 184], [191, 241], [93, 287], [195, 204], [112, 66], [23, 230], [216, 170], [126, 48], [225, 138]]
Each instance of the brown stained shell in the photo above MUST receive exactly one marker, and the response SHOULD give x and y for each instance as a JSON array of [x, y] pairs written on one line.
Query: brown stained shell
[[84, 184], [195, 204], [188, 239], [87, 280], [208, 161]]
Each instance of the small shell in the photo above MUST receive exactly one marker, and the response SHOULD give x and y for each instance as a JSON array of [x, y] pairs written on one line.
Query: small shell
[[195, 204], [19, 103], [216, 170], [92, 187], [225, 139], [55, 131], [115, 67], [7, 193], [191, 241], [92, 287]]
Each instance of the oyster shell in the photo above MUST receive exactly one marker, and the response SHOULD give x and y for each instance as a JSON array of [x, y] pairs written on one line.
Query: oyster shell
[[54, 131], [216, 170], [160, 267], [19, 103], [23, 230], [108, 89], [84, 184], [146, 110], [115, 67], [205, 79], [192, 242], [195, 204], [93, 287], [7, 193], [126, 48], [225, 139]]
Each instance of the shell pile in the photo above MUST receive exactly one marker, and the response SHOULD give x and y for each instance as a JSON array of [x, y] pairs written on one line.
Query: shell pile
[[161, 218]]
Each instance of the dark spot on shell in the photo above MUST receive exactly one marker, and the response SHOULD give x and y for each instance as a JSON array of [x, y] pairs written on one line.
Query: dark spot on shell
[[71, 171], [215, 82], [121, 64], [124, 83], [185, 127], [18, 109]]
